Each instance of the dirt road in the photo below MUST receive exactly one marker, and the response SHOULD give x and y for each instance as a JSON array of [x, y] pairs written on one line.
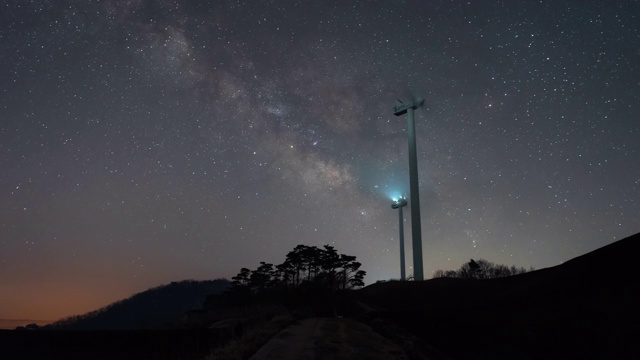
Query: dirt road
[[329, 338]]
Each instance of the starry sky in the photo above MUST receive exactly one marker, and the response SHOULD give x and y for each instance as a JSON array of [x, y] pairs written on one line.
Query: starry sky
[[150, 141]]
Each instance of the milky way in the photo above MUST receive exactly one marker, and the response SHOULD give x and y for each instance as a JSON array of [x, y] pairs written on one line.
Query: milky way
[[144, 142]]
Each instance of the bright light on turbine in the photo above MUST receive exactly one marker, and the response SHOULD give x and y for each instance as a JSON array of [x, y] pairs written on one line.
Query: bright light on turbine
[[398, 203]]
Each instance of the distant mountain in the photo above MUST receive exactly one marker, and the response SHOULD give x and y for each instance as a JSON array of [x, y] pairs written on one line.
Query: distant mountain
[[584, 308], [149, 309]]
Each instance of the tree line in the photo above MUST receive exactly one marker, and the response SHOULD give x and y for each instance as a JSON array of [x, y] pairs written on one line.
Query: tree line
[[480, 269], [303, 266]]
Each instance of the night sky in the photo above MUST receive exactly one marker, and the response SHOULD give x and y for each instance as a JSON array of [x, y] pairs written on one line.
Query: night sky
[[150, 141]]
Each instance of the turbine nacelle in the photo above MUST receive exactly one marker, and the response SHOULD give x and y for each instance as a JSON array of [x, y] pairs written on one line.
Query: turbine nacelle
[[411, 104], [398, 203]]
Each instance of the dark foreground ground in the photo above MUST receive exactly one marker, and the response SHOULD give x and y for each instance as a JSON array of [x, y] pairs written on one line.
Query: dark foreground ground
[[586, 308], [99, 345], [329, 339]]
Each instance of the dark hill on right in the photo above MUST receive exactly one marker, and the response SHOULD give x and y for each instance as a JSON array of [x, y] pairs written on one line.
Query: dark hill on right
[[585, 308]]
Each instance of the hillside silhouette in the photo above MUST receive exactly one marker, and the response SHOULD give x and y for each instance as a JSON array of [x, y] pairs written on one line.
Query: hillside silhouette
[[584, 308], [152, 308]]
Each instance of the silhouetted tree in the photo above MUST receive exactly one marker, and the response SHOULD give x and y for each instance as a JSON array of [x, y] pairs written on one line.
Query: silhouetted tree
[[242, 278], [312, 257], [350, 275], [261, 278], [295, 260], [284, 274]]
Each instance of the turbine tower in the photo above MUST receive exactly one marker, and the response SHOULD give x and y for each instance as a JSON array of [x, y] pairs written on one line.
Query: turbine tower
[[399, 204], [416, 230]]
